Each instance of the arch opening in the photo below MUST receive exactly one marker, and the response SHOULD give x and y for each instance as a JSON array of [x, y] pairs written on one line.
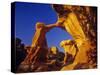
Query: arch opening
[[55, 36]]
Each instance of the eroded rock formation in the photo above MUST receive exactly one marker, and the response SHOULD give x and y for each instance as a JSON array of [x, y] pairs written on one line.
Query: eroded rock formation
[[79, 22], [38, 50], [80, 52]]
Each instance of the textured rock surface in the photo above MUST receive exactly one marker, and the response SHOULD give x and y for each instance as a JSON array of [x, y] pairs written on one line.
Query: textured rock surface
[[81, 23]]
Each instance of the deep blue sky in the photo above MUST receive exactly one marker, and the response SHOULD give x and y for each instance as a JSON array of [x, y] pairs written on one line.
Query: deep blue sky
[[26, 16]]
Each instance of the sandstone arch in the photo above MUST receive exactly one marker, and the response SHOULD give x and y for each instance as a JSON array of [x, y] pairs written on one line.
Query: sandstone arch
[[75, 25]]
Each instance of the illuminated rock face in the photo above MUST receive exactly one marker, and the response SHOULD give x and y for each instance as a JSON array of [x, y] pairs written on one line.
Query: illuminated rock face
[[69, 47], [39, 45], [79, 27], [74, 28], [70, 50]]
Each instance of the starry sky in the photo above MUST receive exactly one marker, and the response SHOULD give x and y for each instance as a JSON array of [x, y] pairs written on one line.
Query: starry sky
[[28, 14]]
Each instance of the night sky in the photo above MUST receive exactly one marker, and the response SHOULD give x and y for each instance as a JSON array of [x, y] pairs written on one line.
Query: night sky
[[28, 14]]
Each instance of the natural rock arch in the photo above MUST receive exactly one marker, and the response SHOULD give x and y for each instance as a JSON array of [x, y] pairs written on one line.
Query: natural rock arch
[[81, 40]]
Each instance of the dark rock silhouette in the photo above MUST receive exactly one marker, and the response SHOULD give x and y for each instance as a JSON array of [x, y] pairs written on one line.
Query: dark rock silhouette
[[20, 52]]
